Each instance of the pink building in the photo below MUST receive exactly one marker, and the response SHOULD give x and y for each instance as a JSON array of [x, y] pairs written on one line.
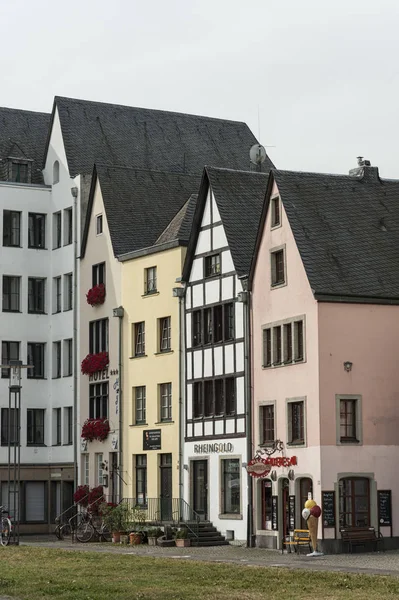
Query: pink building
[[325, 330]]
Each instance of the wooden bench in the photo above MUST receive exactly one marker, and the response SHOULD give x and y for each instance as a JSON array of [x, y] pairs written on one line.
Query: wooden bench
[[299, 538], [360, 536]]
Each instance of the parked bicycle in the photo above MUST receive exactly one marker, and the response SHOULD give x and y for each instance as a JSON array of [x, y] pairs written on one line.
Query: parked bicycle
[[5, 527], [62, 530], [86, 527]]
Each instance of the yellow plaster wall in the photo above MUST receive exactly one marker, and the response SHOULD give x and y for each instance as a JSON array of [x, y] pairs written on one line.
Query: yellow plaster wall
[[152, 369]]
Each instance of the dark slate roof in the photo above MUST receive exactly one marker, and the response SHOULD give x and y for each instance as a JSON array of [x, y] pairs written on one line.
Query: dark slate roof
[[347, 231], [180, 226], [139, 204], [239, 196], [23, 134], [95, 132]]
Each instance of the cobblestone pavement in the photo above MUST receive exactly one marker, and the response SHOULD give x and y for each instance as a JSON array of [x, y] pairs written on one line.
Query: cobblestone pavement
[[381, 563]]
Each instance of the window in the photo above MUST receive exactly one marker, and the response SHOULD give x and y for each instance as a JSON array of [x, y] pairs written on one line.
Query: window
[[354, 502], [9, 351], [197, 327], [278, 274], [36, 295], [86, 469], [36, 358], [266, 422], [57, 294], [212, 265], [57, 426], [68, 292], [296, 422], [139, 339], [141, 479], [68, 364], [99, 224], [347, 417], [276, 345], [36, 230], [98, 336], [228, 316], [214, 325], [267, 500], [305, 488], [10, 430], [165, 399], [208, 326], [139, 405], [276, 219], [68, 435], [56, 172], [267, 347], [57, 230], [35, 431], [231, 490], [98, 273], [68, 226], [11, 292], [164, 334], [56, 360], [11, 228], [283, 343], [99, 468], [20, 172], [214, 398], [150, 283], [98, 400]]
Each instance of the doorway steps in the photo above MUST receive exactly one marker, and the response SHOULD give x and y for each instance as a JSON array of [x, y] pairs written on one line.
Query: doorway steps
[[208, 535]]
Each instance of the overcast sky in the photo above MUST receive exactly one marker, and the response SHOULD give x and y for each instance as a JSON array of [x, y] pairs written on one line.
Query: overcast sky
[[324, 75]]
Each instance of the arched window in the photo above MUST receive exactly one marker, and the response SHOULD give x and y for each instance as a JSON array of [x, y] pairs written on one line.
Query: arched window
[[56, 172], [354, 502]]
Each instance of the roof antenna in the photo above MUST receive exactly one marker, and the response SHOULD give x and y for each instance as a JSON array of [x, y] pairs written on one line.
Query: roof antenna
[[257, 156]]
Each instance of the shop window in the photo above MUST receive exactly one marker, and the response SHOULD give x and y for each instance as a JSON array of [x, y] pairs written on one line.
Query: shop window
[[231, 490], [141, 479], [354, 502], [35, 501], [267, 510]]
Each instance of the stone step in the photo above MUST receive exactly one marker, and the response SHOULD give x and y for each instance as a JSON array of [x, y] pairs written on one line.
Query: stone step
[[212, 543]]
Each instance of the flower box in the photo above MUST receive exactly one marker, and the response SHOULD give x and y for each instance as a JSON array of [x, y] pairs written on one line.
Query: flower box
[[94, 363], [96, 295], [95, 429]]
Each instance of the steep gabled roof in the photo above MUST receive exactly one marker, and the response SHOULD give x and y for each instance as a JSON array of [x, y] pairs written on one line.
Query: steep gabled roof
[[239, 196], [179, 228], [95, 132], [347, 232], [139, 204], [24, 132]]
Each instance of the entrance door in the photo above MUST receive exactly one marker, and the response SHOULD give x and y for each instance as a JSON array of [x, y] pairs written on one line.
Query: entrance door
[[166, 487], [199, 485], [285, 509]]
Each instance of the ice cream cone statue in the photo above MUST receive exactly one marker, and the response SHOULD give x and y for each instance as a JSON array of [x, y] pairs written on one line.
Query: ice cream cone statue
[[311, 514]]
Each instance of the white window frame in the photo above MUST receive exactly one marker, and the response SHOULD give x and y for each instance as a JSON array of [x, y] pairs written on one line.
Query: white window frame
[[99, 469], [165, 402]]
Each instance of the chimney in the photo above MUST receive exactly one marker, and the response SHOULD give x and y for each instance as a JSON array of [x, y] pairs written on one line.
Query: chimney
[[364, 170]]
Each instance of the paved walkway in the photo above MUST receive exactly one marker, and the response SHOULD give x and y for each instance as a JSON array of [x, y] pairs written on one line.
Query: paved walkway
[[380, 563]]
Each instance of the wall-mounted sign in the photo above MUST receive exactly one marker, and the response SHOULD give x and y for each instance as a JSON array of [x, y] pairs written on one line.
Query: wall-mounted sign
[[213, 448], [384, 507], [152, 439], [114, 442], [291, 510], [258, 467], [328, 509], [99, 375]]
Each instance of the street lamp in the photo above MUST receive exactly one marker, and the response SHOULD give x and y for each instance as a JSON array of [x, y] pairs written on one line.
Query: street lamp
[[14, 443]]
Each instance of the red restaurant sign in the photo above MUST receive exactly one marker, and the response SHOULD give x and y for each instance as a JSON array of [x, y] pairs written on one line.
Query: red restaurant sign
[[261, 467]]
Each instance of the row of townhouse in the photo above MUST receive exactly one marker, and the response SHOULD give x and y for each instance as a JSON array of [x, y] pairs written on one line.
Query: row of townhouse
[[246, 315]]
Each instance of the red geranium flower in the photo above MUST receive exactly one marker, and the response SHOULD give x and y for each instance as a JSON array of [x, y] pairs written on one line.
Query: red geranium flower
[[95, 429], [94, 363], [96, 295]]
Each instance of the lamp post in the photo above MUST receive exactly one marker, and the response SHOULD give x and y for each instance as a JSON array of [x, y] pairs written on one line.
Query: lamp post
[[14, 444]]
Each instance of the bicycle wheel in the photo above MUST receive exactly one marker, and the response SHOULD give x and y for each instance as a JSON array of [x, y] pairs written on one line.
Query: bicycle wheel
[[84, 532], [105, 534], [5, 531], [57, 532], [65, 531]]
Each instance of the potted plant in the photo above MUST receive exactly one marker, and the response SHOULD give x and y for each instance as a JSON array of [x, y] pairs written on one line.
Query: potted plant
[[181, 538], [137, 522], [116, 519], [153, 534]]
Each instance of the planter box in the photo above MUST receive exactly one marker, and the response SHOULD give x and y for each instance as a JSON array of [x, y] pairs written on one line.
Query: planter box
[[183, 543]]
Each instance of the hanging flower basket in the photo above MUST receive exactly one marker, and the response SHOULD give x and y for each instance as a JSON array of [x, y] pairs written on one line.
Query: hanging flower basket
[[96, 295], [94, 363], [95, 429]]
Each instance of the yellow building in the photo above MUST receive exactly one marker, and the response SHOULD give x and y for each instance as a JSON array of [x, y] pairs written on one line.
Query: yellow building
[[152, 374]]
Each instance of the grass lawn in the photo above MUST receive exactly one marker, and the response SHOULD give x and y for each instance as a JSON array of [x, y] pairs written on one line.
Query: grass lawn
[[31, 573]]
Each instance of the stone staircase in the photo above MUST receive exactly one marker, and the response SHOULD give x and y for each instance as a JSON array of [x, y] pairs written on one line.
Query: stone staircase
[[208, 535]]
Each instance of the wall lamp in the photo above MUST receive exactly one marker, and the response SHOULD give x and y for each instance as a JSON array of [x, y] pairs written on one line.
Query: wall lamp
[[348, 366]]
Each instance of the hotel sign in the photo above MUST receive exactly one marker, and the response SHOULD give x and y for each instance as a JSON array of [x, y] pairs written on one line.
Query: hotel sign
[[213, 448]]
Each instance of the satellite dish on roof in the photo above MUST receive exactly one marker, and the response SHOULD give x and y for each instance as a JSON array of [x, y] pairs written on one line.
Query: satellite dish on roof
[[257, 154]]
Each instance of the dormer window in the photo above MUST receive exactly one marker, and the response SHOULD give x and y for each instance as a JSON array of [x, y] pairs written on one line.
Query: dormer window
[[19, 171]]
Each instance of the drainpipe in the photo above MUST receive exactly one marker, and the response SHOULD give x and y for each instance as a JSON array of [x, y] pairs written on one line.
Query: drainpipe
[[245, 298], [179, 293], [119, 312], [74, 192]]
